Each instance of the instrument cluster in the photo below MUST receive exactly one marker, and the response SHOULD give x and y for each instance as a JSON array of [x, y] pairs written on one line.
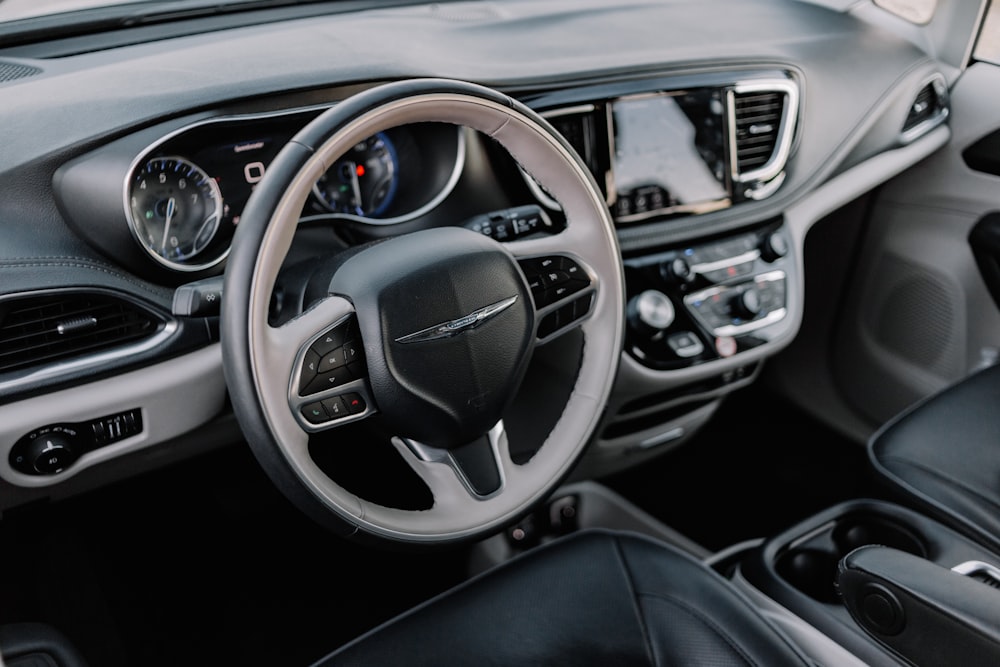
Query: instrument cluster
[[183, 196]]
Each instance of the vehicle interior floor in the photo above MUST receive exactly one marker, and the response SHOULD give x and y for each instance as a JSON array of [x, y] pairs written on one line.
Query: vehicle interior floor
[[761, 465], [108, 571]]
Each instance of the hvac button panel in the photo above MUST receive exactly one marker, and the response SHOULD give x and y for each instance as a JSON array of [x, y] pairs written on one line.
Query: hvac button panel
[[334, 359], [731, 310], [552, 279]]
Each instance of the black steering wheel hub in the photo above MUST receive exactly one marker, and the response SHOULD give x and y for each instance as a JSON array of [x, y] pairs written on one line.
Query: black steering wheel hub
[[448, 327]]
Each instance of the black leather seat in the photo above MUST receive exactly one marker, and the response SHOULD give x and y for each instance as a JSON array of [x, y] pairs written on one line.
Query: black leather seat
[[943, 455], [594, 598]]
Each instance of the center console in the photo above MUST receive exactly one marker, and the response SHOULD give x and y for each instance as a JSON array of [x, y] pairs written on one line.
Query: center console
[[798, 569]]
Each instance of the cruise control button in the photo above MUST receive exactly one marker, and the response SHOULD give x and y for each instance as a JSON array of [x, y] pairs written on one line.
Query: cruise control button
[[335, 407], [314, 413], [550, 278], [355, 403]]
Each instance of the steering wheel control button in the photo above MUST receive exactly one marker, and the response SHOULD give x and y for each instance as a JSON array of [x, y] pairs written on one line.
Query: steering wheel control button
[[310, 368], [335, 358], [335, 407], [334, 338], [564, 316], [315, 413], [355, 403], [552, 279], [324, 381]]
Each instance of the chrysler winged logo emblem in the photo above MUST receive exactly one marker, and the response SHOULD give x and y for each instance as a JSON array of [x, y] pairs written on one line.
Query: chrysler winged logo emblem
[[457, 326]]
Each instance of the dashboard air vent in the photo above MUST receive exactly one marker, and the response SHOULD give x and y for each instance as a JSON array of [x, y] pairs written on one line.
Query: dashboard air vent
[[929, 109], [758, 123], [44, 328]]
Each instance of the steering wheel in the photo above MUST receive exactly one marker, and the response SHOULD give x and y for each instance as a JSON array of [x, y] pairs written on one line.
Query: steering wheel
[[433, 330]]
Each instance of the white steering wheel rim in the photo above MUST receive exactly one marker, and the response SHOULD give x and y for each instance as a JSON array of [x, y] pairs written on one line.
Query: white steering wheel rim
[[260, 353]]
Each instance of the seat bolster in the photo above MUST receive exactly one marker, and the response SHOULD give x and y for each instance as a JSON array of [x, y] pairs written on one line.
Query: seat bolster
[[593, 598], [943, 454]]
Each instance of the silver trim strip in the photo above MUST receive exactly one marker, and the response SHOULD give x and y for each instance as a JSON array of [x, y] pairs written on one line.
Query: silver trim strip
[[971, 567], [706, 267], [661, 438]]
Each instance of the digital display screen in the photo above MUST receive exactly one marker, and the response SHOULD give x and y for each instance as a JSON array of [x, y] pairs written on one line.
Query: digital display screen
[[668, 154]]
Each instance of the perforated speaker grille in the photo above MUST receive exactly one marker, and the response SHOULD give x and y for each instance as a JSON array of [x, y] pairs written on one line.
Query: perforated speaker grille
[[10, 71], [915, 316]]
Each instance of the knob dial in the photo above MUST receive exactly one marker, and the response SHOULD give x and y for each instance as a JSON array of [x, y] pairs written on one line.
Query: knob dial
[[677, 271], [774, 247], [746, 304], [650, 312], [50, 453]]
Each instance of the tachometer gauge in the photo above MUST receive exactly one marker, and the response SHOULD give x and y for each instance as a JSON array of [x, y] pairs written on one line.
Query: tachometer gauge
[[364, 181], [175, 209]]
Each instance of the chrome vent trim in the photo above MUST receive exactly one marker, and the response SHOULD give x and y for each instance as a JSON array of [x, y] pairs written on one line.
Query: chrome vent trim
[[929, 109], [762, 118], [44, 333]]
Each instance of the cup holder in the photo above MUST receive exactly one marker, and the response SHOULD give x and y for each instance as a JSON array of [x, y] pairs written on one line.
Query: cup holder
[[810, 564]]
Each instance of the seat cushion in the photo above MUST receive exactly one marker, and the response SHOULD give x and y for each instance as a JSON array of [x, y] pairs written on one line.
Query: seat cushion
[[594, 598], [943, 454]]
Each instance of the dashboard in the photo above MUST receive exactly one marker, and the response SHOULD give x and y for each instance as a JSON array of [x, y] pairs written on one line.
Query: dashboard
[[714, 159]]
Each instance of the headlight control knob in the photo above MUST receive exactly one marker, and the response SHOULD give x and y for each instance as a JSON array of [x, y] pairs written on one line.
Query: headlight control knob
[[48, 454], [650, 312]]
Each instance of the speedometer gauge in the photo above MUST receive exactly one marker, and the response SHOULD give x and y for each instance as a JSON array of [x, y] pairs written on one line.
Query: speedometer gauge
[[364, 181], [175, 209]]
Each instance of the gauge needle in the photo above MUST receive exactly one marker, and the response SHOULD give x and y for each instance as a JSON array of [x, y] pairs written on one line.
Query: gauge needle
[[166, 225], [356, 186]]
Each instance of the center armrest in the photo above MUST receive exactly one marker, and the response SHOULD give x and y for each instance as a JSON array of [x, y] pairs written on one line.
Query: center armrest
[[922, 611]]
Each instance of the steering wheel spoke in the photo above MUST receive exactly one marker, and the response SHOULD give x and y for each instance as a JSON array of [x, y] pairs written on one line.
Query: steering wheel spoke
[[480, 467]]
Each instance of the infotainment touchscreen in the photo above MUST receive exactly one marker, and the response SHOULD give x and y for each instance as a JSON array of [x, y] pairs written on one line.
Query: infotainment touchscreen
[[668, 155]]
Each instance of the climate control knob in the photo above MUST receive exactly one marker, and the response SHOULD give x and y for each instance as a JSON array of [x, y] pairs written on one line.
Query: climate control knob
[[677, 271], [746, 304], [650, 312], [774, 246]]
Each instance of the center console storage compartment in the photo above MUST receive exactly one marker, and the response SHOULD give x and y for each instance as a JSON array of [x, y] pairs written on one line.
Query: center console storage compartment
[[798, 568]]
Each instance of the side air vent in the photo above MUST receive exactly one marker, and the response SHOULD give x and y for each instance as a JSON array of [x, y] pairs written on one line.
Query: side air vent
[[928, 110], [44, 328], [762, 122], [10, 71], [758, 118]]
